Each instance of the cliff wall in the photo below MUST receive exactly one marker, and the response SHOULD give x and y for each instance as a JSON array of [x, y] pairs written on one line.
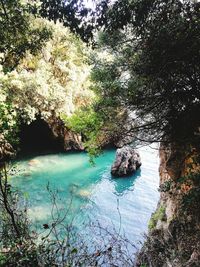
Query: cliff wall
[[174, 229]]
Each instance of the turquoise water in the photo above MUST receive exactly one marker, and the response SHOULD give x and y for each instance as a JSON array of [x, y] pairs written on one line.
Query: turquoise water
[[89, 193]]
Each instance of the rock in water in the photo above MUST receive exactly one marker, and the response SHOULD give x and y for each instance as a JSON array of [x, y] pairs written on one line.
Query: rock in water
[[127, 161]]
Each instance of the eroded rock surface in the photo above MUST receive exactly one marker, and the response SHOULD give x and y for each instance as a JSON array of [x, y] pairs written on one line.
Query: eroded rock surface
[[127, 161], [69, 139], [174, 229]]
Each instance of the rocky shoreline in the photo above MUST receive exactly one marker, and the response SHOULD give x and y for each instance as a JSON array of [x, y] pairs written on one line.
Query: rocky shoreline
[[174, 229]]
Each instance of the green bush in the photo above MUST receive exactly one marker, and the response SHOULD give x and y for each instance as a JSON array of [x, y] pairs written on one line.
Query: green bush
[[158, 215], [166, 186]]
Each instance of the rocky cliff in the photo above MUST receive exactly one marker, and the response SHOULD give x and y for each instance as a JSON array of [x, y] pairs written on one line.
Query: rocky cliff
[[174, 229], [69, 139], [47, 136]]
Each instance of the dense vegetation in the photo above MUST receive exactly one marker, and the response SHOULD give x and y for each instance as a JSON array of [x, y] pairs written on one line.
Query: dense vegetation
[[45, 78], [153, 67], [17, 33], [146, 73], [146, 65]]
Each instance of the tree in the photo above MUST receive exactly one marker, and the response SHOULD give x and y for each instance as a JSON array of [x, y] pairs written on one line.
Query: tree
[[153, 69], [50, 83], [75, 15], [16, 34]]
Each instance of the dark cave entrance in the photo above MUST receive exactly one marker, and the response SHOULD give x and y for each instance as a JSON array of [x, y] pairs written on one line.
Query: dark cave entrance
[[37, 137]]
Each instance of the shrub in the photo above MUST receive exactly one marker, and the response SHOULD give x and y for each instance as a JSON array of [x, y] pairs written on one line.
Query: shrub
[[158, 215]]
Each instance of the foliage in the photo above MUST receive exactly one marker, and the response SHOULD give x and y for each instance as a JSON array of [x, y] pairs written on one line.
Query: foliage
[[88, 123], [98, 127], [189, 185], [191, 199], [53, 82], [158, 215], [166, 186], [153, 67], [13, 222], [75, 15], [8, 121], [17, 34]]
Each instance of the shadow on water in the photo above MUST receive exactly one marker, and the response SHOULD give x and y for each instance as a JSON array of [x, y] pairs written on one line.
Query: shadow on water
[[125, 184]]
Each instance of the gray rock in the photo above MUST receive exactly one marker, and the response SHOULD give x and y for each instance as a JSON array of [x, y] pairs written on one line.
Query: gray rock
[[127, 161], [69, 139]]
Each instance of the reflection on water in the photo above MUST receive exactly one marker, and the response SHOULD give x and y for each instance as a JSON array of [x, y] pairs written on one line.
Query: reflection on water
[[90, 191], [125, 184]]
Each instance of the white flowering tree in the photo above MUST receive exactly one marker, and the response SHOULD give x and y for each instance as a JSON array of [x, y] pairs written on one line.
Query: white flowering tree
[[54, 81]]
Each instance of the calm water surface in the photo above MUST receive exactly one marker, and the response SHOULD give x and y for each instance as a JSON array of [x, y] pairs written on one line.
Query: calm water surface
[[89, 192]]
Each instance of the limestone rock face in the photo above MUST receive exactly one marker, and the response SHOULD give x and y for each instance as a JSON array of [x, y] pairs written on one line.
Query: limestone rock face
[[69, 139], [127, 161], [174, 239]]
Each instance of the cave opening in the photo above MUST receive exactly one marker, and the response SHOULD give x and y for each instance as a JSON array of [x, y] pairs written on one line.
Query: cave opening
[[37, 137]]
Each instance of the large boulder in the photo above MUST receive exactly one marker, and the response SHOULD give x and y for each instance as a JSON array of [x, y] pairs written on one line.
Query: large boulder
[[6, 150], [127, 161]]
